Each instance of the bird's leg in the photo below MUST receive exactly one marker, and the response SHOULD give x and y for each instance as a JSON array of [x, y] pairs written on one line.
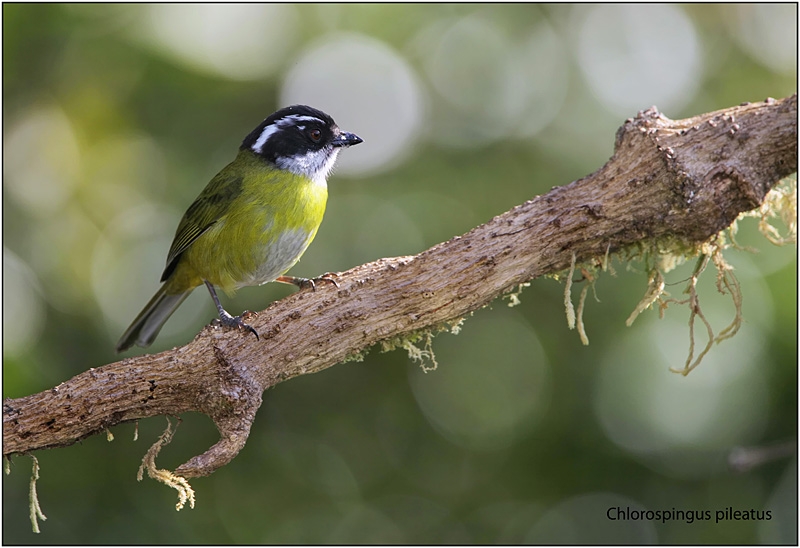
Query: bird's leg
[[304, 283], [225, 319]]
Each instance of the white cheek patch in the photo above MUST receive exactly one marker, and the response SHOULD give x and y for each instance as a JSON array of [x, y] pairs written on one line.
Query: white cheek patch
[[321, 177]]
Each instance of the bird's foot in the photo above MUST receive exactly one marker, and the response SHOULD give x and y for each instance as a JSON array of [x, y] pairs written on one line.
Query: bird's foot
[[227, 321], [305, 283]]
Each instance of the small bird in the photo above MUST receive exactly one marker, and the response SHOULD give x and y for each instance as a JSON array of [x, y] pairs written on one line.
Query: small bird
[[253, 221]]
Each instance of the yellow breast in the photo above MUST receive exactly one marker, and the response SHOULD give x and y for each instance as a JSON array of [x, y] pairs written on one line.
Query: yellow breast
[[263, 233]]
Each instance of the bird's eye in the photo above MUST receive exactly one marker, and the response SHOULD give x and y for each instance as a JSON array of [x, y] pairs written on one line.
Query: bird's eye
[[315, 135]]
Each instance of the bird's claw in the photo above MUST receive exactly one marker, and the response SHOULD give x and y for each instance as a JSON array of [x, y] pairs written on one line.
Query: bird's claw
[[329, 277], [306, 283], [227, 321]]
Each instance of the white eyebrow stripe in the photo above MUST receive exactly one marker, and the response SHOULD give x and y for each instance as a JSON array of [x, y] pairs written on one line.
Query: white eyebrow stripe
[[262, 139], [273, 128], [300, 118]]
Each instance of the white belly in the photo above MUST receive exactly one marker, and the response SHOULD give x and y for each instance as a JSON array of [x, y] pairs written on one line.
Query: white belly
[[278, 256]]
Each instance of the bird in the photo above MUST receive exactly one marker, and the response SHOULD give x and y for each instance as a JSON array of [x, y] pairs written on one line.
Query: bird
[[253, 220]]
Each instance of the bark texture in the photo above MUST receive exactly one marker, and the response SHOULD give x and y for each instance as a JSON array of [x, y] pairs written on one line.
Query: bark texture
[[683, 178]]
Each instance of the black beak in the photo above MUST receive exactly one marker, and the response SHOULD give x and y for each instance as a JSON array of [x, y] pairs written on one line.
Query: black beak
[[345, 139]]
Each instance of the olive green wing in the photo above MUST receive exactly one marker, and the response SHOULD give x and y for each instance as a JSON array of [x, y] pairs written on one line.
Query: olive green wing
[[210, 206]]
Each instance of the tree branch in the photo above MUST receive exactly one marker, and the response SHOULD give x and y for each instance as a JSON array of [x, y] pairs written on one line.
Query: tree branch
[[686, 179]]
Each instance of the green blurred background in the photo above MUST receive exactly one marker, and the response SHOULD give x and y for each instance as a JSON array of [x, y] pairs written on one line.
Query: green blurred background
[[116, 116]]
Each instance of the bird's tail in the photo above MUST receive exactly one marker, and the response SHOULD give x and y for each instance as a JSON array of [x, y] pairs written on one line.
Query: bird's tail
[[149, 322]]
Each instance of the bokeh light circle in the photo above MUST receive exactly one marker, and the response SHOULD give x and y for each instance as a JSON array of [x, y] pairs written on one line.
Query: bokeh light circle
[[768, 33], [490, 86], [368, 89], [675, 424], [485, 395], [23, 306], [41, 160], [635, 56], [236, 41]]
